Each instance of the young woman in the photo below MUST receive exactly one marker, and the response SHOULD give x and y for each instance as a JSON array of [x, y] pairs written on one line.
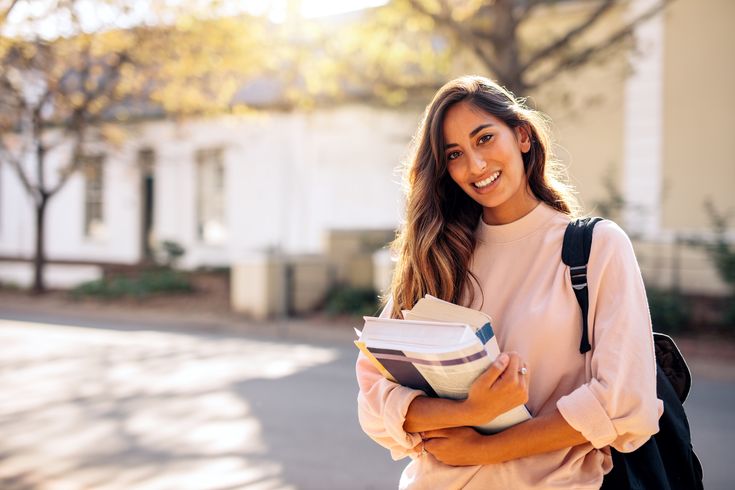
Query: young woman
[[485, 221]]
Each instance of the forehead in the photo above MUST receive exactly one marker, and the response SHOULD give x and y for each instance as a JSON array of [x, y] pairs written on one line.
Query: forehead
[[461, 118]]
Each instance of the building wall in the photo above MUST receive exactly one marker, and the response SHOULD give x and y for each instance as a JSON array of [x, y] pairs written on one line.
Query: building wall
[[586, 105], [289, 178], [589, 135], [65, 237], [699, 112], [653, 124]]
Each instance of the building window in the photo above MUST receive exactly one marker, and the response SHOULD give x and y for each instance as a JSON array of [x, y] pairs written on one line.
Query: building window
[[94, 226], [211, 196]]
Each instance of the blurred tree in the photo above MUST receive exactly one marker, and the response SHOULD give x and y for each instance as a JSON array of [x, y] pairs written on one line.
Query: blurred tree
[[6, 6], [414, 44], [721, 252], [69, 78]]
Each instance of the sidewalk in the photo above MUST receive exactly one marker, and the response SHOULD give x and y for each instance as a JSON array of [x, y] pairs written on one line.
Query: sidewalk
[[200, 314], [106, 404], [708, 357]]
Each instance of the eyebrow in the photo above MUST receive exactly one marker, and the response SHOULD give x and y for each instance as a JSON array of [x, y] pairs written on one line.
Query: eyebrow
[[472, 134]]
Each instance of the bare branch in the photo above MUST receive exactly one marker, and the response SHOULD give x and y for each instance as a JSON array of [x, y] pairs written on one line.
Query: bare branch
[[580, 58], [55, 143], [469, 38], [6, 12], [75, 163], [7, 156], [81, 116], [529, 5], [570, 36], [37, 109], [7, 84]]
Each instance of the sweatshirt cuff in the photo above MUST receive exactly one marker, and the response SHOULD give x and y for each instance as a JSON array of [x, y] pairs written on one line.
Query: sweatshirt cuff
[[401, 398], [583, 412]]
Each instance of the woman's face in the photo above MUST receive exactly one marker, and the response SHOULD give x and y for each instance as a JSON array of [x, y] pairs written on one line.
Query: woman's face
[[484, 157]]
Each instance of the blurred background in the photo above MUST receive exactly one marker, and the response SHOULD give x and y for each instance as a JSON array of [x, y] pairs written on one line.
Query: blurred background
[[196, 198]]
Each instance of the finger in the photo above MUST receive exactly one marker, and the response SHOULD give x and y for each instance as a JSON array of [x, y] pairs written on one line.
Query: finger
[[497, 368], [436, 433], [514, 364], [524, 377], [434, 445]]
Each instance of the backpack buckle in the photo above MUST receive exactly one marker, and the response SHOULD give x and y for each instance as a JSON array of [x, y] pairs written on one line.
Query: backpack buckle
[[578, 275]]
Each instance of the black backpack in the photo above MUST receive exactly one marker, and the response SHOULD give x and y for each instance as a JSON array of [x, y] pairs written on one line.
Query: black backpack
[[667, 460]]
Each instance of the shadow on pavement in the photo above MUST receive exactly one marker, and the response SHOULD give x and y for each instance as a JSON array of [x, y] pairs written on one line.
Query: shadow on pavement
[[106, 408], [309, 422]]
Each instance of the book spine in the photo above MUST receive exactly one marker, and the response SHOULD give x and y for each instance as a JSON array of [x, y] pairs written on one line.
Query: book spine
[[485, 333], [402, 370]]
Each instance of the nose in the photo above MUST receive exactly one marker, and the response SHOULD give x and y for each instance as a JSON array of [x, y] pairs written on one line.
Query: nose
[[478, 163]]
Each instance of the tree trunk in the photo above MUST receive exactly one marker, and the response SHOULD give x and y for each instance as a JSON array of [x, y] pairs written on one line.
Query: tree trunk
[[40, 257], [506, 45]]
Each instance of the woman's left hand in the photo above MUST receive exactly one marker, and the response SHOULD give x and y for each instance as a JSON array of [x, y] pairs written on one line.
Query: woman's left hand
[[457, 446]]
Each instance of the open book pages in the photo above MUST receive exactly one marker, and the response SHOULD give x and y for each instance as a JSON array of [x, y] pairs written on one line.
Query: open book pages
[[436, 350]]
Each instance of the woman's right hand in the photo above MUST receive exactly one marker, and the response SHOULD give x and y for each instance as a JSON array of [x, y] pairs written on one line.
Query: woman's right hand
[[497, 390]]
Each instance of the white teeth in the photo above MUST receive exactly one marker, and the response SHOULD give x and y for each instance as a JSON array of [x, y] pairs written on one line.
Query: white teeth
[[487, 181]]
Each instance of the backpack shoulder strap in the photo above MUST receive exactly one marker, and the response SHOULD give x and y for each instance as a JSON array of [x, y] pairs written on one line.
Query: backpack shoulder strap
[[575, 253]]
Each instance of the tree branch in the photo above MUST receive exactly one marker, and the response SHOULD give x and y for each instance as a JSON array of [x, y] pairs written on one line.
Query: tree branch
[[6, 12], [75, 162], [466, 36], [581, 57], [32, 190], [570, 36], [532, 4], [81, 116]]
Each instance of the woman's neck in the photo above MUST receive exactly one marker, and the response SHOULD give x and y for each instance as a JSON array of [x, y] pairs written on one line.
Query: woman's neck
[[510, 212]]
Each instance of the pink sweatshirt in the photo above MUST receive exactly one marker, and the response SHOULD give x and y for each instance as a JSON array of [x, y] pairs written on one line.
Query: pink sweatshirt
[[608, 394]]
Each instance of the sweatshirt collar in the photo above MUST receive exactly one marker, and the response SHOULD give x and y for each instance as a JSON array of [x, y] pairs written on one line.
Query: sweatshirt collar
[[518, 229]]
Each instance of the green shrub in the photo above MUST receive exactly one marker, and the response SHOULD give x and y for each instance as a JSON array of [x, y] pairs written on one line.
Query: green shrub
[[348, 300], [147, 283], [10, 286], [670, 312], [722, 254]]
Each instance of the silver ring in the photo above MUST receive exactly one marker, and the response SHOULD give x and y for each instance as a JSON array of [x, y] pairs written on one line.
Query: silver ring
[[523, 371]]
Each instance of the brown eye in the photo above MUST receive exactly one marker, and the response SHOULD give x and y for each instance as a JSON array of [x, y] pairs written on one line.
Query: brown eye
[[485, 138], [453, 155]]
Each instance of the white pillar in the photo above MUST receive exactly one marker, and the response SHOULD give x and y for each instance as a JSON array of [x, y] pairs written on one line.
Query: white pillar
[[643, 131]]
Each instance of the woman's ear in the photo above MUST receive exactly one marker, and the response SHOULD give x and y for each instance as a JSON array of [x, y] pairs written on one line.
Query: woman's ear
[[523, 135]]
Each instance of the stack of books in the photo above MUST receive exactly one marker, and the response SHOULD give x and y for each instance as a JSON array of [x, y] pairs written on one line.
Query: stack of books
[[438, 347]]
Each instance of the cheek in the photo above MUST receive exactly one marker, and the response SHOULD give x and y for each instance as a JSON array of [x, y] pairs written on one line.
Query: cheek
[[455, 173], [516, 165]]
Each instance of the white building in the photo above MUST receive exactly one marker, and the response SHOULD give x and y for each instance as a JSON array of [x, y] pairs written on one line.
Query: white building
[[223, 188]]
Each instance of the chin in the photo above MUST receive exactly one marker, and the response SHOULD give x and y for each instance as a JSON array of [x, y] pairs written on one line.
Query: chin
[[490, 203]]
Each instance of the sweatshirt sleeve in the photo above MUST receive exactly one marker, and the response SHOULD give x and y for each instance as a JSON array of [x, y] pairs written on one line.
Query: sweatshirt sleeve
[[382, 407], [618, 406]]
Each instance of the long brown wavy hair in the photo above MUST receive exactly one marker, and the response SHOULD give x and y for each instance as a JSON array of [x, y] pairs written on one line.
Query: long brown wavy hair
[[435, 244]]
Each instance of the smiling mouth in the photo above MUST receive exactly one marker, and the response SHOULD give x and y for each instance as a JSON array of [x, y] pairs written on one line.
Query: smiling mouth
[[486, 182]]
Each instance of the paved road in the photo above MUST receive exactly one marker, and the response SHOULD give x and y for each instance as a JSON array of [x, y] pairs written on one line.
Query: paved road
[[87, 405], [710, 407]]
